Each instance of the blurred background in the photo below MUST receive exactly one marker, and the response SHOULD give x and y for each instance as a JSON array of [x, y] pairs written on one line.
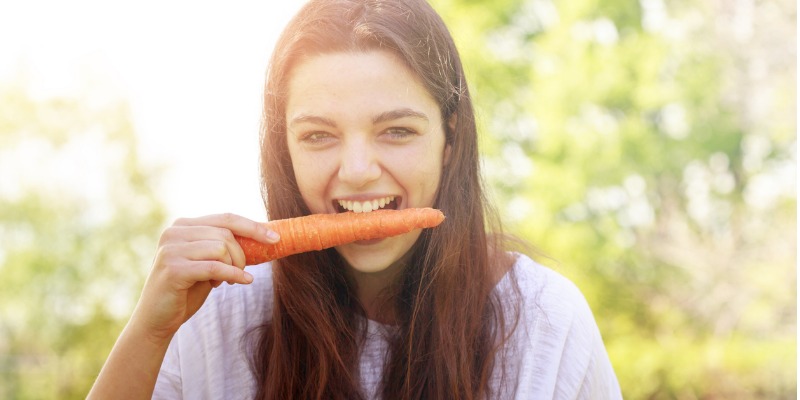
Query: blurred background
[[648, 148]]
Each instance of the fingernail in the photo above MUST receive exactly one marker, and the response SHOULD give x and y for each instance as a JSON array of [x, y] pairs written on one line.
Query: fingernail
[[248, 278], [273, 236]]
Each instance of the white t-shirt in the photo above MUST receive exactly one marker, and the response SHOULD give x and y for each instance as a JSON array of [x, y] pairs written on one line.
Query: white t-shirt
[[556, 351]]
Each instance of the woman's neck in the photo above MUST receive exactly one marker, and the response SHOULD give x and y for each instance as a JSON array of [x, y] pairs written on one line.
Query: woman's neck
[[374, 290]]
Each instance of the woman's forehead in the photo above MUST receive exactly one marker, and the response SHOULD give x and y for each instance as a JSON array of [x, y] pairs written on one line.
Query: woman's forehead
[[373, 79]]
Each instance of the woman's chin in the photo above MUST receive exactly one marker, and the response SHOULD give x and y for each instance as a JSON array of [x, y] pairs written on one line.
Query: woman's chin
[[377, 255], [369, 264]]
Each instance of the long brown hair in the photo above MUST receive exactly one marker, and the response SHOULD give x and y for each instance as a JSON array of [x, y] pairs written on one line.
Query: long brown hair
[[450, 324]]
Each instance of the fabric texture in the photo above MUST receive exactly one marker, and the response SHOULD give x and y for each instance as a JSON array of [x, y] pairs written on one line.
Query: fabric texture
[[555, 352]]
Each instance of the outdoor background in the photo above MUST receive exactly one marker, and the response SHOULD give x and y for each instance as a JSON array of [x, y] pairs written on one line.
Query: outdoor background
[[648, 148]]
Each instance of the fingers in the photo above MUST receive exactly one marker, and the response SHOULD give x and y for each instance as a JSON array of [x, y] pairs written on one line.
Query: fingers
[[218, 271], [208, 233], [215, 272], [222, 251], [199, 261], [238, 225], [207, 250], [211, 238]]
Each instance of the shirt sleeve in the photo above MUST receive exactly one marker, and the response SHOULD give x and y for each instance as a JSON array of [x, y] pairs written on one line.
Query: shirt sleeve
[[586, 359], [207, 358]]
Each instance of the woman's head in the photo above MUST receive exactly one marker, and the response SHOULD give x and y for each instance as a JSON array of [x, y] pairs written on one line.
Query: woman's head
[[415, 34], [364, 134]]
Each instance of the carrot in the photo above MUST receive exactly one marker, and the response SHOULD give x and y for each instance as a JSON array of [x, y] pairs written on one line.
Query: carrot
[[321, 231]]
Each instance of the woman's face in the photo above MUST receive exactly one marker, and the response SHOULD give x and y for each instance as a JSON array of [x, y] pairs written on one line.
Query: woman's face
[[363, 134]]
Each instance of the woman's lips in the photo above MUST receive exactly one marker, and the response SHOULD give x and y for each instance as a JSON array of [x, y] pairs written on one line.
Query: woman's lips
[[368, 242]]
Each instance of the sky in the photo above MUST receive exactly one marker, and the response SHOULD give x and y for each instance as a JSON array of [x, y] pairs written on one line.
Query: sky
[[192, 72]]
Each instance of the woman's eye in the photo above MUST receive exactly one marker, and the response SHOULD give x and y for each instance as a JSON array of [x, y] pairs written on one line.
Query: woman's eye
[[316, 137], [400, 133]]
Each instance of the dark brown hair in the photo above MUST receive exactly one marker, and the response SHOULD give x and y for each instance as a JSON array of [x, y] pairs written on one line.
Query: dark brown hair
[[450, 324]]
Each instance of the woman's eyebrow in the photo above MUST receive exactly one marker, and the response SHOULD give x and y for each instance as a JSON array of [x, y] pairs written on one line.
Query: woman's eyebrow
[[382, 117], [397, 114], [314, 119]]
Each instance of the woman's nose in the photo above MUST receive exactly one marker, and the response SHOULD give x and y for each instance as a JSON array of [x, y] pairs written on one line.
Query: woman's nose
[[359, 164]]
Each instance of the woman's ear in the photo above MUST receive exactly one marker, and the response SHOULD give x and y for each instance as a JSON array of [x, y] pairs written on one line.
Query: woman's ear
[[448, 147], [451, 122]]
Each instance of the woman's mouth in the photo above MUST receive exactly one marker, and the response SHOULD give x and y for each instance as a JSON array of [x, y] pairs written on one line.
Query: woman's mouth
[[388, 202]]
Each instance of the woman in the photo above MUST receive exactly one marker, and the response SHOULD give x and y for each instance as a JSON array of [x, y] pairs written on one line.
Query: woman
[[366, 106]]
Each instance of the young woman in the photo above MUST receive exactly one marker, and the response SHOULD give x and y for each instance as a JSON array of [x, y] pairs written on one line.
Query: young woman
[[366, 106]]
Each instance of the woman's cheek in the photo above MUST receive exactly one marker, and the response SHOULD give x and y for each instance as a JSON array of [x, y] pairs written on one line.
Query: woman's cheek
[[308, 173]]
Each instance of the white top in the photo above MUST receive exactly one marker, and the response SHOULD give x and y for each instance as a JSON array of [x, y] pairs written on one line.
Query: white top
[[556, 352]]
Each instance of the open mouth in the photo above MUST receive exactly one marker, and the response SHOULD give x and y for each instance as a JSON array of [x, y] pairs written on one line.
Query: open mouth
[[383, 203]]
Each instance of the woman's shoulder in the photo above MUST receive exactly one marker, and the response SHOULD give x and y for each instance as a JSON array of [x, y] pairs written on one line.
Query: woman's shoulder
[[555, 338], [541, 285], [549, 306]]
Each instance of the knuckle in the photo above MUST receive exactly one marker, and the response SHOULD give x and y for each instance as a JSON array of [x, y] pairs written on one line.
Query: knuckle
[[180, 222], [226, 234], [167, 255], [237, 275], [211, 268], [228, 218], [219, 250], [258, 228], [169, 234], [171, 271], [165, 251], [215, 269], [170, 268]]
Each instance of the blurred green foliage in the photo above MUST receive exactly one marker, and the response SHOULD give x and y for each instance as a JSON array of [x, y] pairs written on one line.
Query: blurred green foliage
[[78, 225], [650, 148]]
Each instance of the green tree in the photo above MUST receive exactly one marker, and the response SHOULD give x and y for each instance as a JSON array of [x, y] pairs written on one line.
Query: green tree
[[78, 224], [649, 147]]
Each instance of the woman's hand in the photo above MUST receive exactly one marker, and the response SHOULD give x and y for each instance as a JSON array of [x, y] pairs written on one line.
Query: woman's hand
[[194, 255]]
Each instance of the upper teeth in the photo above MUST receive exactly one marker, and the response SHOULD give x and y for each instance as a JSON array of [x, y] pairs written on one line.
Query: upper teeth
[[365, 206]]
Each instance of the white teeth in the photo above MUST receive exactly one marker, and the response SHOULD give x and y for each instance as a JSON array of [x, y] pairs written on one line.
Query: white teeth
[[365, 206]]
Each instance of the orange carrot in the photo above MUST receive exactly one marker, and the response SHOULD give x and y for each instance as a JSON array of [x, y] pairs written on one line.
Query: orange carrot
[[321, 231]]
